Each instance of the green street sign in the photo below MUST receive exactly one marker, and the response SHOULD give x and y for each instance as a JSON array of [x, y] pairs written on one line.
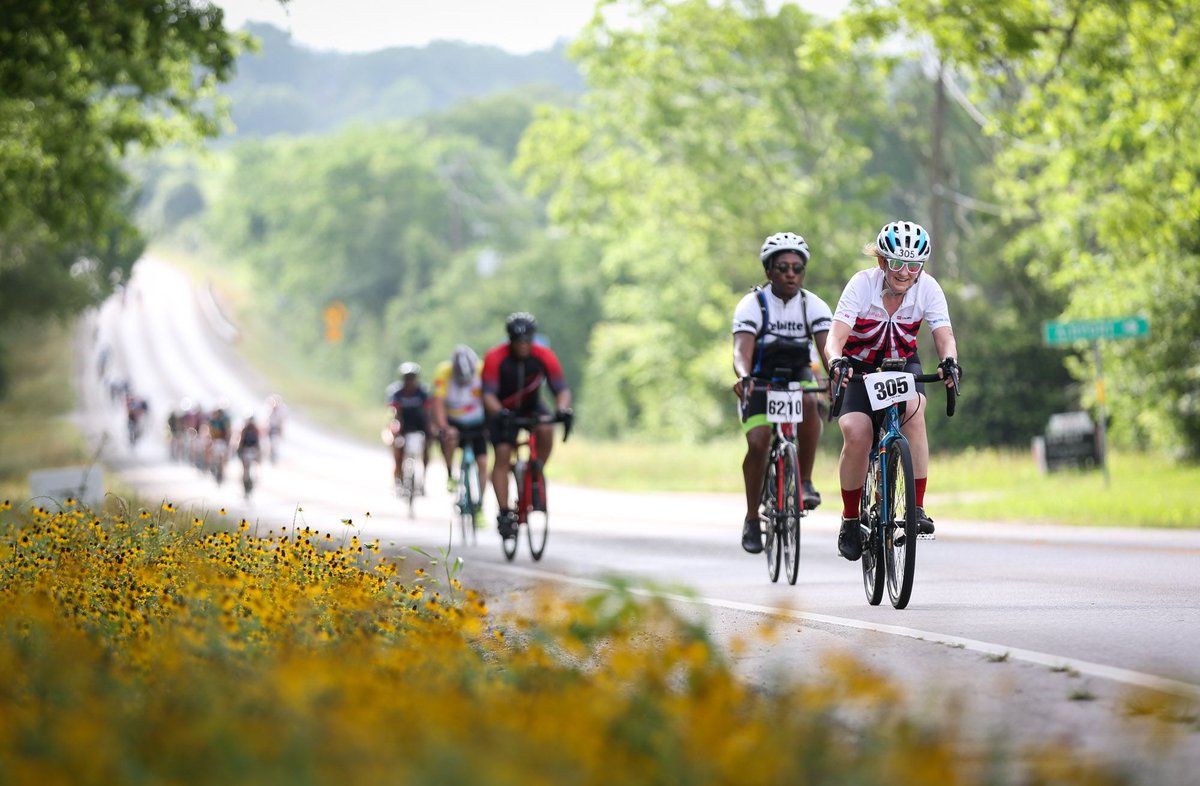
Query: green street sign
[[1095, 330]]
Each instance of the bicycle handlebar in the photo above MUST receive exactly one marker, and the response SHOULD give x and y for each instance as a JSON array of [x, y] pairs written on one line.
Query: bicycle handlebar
[[839, 387], [529, 421]]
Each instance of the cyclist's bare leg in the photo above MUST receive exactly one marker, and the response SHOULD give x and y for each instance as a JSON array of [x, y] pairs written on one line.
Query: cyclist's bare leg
[[913, 428], [758, 445], [500, 475], [810, 435], [544, 434], [856, 444], [449, 443]]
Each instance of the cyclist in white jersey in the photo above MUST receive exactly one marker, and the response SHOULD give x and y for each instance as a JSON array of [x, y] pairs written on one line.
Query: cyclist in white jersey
[[877, 317], [774, 330]]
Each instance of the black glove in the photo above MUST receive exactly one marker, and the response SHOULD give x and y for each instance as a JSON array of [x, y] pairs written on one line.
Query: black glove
[[838, 367], [566, 415], [950, 366]]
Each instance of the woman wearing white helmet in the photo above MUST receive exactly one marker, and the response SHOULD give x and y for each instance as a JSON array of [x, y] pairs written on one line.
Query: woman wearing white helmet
[[408, 403], [877, 317], [774, 329]]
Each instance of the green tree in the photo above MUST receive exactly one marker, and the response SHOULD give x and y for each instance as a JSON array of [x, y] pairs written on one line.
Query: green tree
[[1092, 106], [82, 84], [705, 127]]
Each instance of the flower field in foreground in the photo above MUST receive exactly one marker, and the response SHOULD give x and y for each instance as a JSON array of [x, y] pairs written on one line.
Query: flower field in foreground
[[158, 648]]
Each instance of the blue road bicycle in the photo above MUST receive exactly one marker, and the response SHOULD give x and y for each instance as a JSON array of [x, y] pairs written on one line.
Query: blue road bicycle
[[468, 498], [888, 510]]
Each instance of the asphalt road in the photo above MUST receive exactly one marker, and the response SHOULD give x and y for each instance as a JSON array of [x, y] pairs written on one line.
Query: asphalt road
[[1041, 632]]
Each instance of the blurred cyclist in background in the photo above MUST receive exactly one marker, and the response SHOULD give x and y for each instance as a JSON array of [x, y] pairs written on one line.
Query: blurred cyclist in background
[[512, 378], [276, 414], [458, 414], [408, 401], [248, 451]]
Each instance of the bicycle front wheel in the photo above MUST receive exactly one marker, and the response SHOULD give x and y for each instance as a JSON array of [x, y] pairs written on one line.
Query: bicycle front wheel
[[790, 530], [510, 544], [771, 514], [872, 550], [900, 531], [408, 485], [537, 516]]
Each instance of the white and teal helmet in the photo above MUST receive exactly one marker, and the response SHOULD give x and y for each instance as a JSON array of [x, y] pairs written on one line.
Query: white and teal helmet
[[782, 241], [904, 240]]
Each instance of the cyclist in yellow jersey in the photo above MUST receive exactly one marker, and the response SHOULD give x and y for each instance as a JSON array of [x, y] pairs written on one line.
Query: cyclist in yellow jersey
[[458, 417]]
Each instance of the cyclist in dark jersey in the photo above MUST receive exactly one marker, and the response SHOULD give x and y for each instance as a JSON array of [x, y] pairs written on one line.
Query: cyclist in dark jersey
[[408, 400], [512, 378]]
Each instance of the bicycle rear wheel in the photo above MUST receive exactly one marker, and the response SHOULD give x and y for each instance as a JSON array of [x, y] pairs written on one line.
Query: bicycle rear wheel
[[792, 508], [537, 516], [771, 514], [901, 529], [872, 551]]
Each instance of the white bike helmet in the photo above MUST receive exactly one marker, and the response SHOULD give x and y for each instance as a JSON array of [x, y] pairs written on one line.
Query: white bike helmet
[[408, 369], [904, 240], [463, 362], [782, 241]]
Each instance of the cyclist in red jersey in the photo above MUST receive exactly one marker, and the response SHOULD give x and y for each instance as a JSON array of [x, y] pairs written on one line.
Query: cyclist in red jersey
[[512, 378]]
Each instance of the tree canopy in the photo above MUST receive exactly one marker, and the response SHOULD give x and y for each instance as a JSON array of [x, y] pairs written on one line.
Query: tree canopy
[[81, 85]]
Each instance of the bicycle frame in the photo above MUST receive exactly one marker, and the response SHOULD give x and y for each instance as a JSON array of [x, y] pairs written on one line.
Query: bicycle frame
[[526, 468]]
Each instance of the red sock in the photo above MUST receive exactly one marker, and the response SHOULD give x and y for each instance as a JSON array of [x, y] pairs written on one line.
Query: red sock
[[921, 492], [850, 500]]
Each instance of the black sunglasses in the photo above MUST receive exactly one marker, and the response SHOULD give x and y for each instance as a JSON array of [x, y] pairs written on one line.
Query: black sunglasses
[[795, 267]]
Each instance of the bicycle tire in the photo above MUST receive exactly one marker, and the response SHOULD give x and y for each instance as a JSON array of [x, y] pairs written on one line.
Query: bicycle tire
[[468, 500], [792, 507], [537, 517], [408, 484], [510, 544], [872, 551], [901, 557], [770, 507]]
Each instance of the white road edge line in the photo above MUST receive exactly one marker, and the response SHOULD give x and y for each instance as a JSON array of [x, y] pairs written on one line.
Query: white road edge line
[[1126, 676]]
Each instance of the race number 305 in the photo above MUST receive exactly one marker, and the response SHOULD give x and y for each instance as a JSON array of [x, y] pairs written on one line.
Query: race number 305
[[889, 387], [785, 406]]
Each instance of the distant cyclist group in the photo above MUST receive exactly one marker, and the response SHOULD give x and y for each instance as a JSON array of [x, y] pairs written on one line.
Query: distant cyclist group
[[207, 438], [474, 403]]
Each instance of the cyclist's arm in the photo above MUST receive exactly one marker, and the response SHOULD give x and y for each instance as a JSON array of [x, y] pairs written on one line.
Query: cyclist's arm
[[743, 358], [562, 399], [491, 403], [438, 414], [943, 341], [819, 339], [835, 343]]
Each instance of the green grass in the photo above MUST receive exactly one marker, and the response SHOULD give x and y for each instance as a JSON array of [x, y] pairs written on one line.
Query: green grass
[[1146, 490], [35, 430]]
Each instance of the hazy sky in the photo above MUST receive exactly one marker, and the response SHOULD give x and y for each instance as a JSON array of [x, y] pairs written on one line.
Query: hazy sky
[[520, 26]]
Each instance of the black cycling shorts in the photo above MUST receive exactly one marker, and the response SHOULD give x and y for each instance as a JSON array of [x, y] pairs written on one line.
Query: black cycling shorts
[[855, 398], [504, 433], [474, 435]]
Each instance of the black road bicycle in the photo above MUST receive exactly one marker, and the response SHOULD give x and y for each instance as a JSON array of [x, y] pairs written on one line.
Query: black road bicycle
[[782, 504]]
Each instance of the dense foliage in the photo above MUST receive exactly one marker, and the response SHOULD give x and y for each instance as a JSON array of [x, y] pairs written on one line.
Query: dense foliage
[[81, 85]]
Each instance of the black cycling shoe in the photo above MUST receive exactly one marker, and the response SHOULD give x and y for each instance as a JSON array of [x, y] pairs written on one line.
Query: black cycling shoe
[[752, 536], [924, 523], [506, 523], [850, 540], [812, 497]]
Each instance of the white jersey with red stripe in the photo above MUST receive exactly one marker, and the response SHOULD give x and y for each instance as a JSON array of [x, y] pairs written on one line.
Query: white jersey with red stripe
[[874, 334]]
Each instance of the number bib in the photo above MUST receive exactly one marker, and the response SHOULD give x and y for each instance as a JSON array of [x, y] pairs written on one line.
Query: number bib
[[786, 406], [885, 388]]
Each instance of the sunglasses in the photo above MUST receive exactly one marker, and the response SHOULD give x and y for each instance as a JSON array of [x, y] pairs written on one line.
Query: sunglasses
[[896, 265], [795, 267]]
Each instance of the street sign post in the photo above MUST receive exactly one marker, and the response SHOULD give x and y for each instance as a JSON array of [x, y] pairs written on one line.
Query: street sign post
[[1095, 331]]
